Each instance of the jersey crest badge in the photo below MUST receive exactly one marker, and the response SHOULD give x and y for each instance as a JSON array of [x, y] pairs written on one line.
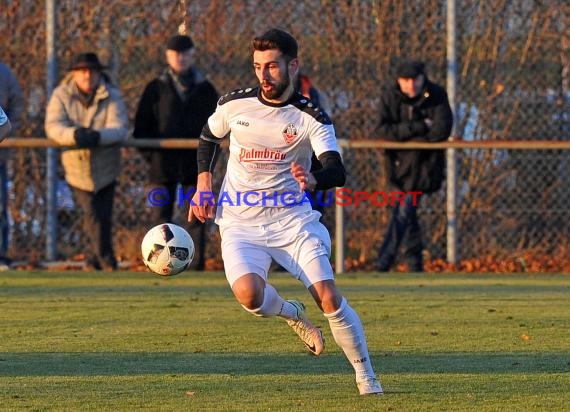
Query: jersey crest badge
[[290, 133]]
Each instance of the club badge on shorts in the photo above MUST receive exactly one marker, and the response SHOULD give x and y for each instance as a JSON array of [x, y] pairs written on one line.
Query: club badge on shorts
[[290, 133]]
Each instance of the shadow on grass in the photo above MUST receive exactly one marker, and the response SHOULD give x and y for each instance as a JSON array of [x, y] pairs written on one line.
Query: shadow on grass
[[110, 363]]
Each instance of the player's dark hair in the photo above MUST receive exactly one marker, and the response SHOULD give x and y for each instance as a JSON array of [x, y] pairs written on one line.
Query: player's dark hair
[[277, 39]]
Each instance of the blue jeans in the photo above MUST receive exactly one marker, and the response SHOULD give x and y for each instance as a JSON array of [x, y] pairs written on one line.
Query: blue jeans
[[403, 229], [4, 223]]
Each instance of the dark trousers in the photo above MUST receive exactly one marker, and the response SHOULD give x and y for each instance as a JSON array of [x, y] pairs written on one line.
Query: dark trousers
[[403, 229], [97, 210], [163, 214], [4, 223]]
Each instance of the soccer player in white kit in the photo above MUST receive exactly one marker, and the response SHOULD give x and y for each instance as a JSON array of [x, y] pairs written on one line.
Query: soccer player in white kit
[[262, 210]]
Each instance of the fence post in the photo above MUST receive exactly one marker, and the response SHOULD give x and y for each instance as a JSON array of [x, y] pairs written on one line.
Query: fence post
[[451, 193], [51, 153]]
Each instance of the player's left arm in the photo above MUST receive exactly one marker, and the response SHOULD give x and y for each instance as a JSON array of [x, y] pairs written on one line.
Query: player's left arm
[[332, 174], [324, 144]]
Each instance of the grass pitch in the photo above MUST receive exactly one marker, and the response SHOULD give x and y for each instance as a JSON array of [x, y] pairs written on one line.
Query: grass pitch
[[123, 341]]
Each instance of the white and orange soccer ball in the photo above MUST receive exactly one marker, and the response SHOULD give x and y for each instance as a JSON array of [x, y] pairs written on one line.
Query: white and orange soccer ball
[[167, 249]]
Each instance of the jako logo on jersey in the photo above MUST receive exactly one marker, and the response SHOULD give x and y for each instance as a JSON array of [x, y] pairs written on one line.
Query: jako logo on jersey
[[243, 123], [253, 155], [290, 133]]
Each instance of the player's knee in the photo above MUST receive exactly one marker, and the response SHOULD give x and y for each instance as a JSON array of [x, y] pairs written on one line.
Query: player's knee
[[249, 291], [249, 300], [252, 302], [327, 296], [331, 303]]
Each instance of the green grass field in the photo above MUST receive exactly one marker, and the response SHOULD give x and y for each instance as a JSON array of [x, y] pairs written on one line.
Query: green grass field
[[123, 341]]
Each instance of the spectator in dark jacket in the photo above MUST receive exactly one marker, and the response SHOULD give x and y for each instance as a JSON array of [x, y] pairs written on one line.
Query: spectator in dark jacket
[[414, 109], [176, 104]]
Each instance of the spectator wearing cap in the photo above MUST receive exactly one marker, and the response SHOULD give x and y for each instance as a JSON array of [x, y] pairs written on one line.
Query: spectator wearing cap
[[412, 109], [176, 104], [87, 116]]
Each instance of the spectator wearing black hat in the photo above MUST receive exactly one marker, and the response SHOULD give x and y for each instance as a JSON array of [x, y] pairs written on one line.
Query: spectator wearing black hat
[[86, 114], [414, 109], [176, 104]]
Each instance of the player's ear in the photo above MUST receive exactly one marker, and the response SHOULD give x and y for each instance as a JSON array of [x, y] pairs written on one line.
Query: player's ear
[[294, 68]]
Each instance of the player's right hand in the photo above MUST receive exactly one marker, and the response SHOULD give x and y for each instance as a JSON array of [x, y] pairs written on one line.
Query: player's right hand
[[203, 203], [304, 177]]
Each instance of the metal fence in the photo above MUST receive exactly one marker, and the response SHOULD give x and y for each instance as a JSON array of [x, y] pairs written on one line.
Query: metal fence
[[513, 83]]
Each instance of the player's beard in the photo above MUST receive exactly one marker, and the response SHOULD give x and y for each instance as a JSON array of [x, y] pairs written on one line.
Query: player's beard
[[278, 89]]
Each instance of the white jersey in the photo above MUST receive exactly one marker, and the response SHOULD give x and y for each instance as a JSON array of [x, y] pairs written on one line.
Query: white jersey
[[265, 139]]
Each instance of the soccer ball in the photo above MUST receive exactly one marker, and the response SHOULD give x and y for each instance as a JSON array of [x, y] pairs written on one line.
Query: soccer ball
[[167, 249]]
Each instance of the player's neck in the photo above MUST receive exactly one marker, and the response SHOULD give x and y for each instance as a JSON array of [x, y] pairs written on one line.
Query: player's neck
[[283, 98]]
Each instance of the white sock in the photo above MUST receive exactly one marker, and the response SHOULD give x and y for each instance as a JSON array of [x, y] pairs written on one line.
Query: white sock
[[348, 333], [273, 305]]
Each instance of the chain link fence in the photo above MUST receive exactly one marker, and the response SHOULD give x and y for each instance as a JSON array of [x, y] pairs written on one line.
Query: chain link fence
[[514, 84]]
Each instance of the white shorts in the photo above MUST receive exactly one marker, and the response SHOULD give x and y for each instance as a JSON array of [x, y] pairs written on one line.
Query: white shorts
[[292, 242]]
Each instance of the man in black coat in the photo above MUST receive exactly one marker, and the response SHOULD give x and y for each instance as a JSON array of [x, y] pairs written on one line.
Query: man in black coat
[[414, 109], [176, 104]]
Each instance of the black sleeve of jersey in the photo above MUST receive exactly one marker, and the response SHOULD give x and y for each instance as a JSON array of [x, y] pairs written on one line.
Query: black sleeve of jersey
[[207, 153], [332, 173]]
